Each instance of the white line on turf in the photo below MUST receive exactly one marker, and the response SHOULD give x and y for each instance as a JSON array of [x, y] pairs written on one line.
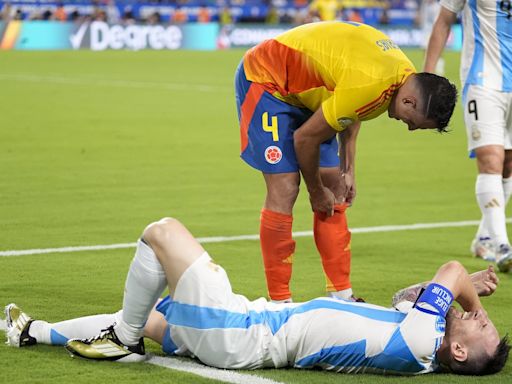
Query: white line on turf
[[222, 239], [199, 369], [97, 81], [208, 372]]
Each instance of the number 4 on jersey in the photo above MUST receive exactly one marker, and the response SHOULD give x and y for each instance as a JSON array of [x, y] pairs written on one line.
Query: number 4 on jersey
[[272, 127]]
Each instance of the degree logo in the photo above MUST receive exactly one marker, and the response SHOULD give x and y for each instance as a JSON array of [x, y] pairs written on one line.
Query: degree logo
[[273, 154]]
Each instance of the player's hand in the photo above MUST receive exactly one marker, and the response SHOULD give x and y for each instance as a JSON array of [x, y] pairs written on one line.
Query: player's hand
[[322, 200], [350, 187], [485, 282]]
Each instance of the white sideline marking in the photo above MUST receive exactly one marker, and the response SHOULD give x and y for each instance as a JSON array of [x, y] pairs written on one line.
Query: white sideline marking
[[222, 239], [97, 81], [198, 369], [208, 372]]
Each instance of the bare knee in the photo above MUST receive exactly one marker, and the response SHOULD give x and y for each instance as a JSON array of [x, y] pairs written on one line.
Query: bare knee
[[282, 191], [161, 230], [490, 159]]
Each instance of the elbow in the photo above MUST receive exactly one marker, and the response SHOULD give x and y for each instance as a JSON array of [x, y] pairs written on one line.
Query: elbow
[[453, 266]]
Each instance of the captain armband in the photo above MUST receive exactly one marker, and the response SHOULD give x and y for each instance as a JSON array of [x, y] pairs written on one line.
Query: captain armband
[[436, 297]]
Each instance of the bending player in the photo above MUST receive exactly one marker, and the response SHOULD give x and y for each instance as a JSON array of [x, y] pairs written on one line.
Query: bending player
[[207, 320], [294, 94]]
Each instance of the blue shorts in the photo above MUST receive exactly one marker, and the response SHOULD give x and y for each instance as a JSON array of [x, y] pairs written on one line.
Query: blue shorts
[[267, 125]]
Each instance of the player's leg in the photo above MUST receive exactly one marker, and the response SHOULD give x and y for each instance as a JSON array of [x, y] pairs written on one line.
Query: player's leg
[[505, 261], [164, 252], [277, 244], [507, 175], [484, 115], [22, 330], [332, 238], [266, 132]]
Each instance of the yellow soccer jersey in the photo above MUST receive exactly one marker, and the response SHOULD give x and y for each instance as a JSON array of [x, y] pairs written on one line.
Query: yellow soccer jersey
[[350, 70]]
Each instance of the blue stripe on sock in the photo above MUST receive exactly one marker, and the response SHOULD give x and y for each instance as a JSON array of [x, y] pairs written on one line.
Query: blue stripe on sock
[[57, 339]]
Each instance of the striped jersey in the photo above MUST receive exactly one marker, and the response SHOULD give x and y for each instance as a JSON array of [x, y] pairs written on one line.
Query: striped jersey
[[350, 70], [222, 329], [487, 48]]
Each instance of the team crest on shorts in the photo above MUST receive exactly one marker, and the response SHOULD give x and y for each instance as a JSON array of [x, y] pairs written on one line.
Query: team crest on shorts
[[475, 133], [273, 154]]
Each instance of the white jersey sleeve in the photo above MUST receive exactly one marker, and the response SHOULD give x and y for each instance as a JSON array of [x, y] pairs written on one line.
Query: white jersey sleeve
[[424, 326], [453, 5]]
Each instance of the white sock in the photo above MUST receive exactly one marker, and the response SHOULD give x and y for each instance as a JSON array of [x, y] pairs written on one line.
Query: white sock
[[144, 284], [507, 189], [81, 327], [344, 294], [483, 231], [491, 200]]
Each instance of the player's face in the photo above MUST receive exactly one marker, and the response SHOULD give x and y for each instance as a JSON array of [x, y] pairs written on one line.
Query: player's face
[[405, 111], [473, 329]]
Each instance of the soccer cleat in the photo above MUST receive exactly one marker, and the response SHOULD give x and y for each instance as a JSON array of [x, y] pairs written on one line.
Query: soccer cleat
[[504, 258], [18, 324], [482, 247], [107, 346]]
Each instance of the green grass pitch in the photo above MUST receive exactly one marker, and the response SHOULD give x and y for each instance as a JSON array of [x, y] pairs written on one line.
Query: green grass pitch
[[94, 146]]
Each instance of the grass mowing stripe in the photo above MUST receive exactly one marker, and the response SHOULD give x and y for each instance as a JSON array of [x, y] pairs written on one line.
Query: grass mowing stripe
[[222, 239], [27, 77], [208, 372]]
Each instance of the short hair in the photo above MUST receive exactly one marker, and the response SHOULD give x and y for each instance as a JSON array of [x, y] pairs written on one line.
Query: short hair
[[440, 96], [483, 364]]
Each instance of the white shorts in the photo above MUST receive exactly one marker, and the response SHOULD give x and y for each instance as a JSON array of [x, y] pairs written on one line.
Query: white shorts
[[488, 117], [208, 321]]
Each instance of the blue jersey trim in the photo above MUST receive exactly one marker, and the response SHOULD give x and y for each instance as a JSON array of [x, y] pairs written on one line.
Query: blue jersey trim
[[396, 357], [477, 63], [194, 316], [168, 345], [504, 34], [57, 339], [163, 305]]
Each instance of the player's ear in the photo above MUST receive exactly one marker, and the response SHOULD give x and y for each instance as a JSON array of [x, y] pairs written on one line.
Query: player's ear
[[458, 351]]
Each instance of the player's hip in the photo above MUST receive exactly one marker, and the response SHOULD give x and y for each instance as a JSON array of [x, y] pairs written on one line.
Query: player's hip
[[487, 116]]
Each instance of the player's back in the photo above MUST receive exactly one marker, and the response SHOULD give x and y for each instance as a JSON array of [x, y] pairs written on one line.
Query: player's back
[[351, 64]]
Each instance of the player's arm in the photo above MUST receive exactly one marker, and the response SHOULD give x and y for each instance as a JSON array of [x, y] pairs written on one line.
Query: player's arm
[[454, 277], [485, 283], [438, 38], [307, 140], [347, 152]]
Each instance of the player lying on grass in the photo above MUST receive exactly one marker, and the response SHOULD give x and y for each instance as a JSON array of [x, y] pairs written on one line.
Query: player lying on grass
[[205, 319]]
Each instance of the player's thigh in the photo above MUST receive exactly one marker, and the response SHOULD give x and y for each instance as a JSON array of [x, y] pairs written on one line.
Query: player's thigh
[[485, 117]]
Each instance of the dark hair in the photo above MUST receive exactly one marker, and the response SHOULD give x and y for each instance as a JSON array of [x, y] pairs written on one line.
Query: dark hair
[[440, 97], [483, 365]]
